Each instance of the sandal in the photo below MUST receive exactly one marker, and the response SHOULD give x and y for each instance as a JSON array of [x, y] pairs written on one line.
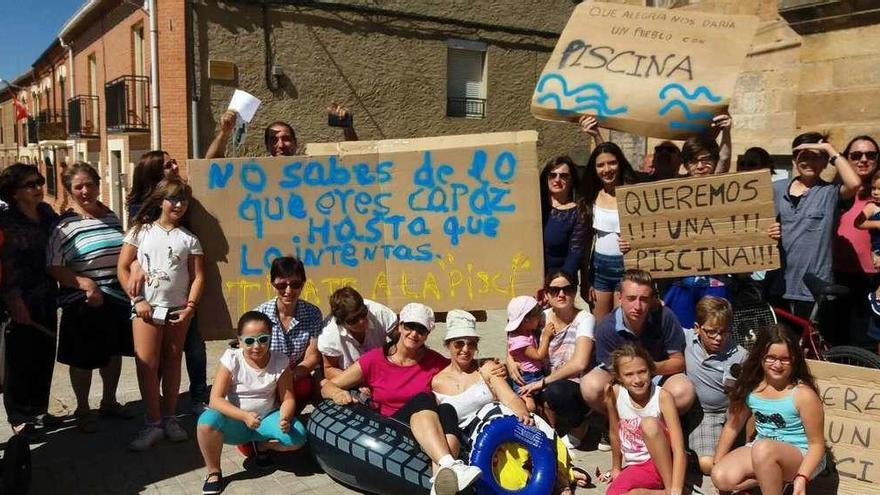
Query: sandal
[[582, 481], [213, 487], [86, 421]]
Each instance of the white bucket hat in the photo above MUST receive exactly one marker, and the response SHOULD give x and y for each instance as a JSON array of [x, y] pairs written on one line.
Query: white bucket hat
[[460, 323]]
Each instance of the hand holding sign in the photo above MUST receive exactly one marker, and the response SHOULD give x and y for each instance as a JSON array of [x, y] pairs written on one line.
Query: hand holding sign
[[654, 72]]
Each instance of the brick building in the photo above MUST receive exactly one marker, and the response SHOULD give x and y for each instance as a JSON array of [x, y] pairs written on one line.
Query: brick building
[[404, 68]]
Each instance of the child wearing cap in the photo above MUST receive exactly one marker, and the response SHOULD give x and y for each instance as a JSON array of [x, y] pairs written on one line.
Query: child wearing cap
[[523, 320]]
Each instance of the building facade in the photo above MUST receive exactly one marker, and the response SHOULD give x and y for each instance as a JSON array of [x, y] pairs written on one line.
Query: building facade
[[404, 69]]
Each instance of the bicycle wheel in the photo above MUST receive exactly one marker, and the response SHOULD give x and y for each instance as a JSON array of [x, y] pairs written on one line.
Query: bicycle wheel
[[853, 356]]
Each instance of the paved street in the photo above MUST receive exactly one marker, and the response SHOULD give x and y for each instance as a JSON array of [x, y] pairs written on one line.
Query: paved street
[[73, 462]]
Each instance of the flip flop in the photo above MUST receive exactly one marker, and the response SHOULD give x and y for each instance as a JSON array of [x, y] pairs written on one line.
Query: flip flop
[[582, 482]]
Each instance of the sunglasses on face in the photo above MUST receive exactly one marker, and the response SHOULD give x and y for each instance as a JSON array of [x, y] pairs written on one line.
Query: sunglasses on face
[[33, 184], [354, 320], [175, 198], [567, 289], [461, 343], [250, 340], [283, 285], [563, 176], [414, 327], [170, 164], [857, 155]]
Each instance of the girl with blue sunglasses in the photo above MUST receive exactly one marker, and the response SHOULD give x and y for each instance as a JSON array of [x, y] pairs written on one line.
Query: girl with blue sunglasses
[[252, 402]]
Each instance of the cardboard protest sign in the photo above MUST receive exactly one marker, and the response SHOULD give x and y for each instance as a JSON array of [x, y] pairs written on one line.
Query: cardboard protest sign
[[852, 409], [652, 72], [453, 222], [699, 225]]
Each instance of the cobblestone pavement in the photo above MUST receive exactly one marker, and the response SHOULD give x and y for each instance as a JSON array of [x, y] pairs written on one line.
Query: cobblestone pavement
[[73, 462]]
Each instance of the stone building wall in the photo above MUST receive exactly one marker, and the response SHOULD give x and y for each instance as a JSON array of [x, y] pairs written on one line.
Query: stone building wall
[[390, 70]]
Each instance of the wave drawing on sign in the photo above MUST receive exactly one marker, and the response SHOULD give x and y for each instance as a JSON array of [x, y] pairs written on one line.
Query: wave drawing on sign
[[589, 96], [694, 120]]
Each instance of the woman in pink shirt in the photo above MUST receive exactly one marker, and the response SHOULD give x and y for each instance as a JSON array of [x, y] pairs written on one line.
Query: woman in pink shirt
[[853, 266], [399, 378]]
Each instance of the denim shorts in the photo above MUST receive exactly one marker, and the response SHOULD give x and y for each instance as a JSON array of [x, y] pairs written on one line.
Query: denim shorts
[[528, 377], [606, 272]]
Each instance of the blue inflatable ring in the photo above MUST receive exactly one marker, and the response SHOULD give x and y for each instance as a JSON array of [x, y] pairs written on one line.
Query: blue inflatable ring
[[509, 429]]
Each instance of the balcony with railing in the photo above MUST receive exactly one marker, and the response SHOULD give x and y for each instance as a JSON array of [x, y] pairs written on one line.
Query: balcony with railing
[[51, 126], [127, 100], [83, 116], [474, 108]]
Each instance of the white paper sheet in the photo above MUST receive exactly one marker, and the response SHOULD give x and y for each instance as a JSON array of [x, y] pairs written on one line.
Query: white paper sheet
[[245, 104]]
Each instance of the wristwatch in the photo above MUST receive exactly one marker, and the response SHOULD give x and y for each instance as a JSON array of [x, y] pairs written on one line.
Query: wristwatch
[[834, 158]]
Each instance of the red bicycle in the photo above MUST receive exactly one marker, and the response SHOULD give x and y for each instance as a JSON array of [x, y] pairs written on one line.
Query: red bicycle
[[751, 313]]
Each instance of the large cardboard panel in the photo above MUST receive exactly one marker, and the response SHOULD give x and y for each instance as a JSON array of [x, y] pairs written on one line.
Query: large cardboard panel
[[453, 222], [852, 408], [652, 72], [699, 225]]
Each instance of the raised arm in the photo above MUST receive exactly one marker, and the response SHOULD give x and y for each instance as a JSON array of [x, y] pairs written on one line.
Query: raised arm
[[217, 148], [723, 124]]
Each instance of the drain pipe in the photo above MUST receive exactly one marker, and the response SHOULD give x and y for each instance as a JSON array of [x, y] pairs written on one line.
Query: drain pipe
[[194, 97], [155, 126], [70, 65]]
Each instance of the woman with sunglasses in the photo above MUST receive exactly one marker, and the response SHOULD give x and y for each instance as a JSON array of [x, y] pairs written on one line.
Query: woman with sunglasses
[[475, 393], [853, 263], [252, 401], [28, 293], [95, 329], [174, 263], [571, 344], [150, 170], [399, 377], [355, 326], [565, 224], [296, 324]]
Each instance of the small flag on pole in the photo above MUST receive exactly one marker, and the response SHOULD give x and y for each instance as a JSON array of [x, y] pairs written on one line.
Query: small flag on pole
[[20, 110]]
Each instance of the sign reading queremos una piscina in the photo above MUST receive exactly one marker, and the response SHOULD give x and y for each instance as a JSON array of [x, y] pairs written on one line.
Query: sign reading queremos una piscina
[[653, 72], [437, 220], [699, 225]]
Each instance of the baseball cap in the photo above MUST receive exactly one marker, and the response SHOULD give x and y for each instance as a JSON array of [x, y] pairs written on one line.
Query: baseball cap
[[418, 313], [460, 324], [517, 309]]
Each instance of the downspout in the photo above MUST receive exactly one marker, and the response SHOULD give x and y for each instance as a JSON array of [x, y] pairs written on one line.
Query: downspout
[[69, 66], [194, 97], [155, 126]]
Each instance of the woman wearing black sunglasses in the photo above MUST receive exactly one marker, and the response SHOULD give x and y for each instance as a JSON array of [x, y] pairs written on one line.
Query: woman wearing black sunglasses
[[571, 345], [296, 324], [28, 293], [853, 265]]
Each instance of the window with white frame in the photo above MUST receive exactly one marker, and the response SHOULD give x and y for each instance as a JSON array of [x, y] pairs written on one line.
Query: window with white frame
[[466, 79]]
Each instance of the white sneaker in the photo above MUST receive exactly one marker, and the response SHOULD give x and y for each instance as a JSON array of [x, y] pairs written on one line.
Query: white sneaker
[[604, 443], [146, 438], [466, 475], [174, 431], [570, 441], [445, 482]]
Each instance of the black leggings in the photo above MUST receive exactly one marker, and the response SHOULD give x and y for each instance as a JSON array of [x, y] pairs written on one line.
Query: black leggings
[[565, 399], [426, 402]]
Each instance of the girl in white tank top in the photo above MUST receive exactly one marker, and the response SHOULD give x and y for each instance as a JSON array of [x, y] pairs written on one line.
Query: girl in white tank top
[[647, 443]]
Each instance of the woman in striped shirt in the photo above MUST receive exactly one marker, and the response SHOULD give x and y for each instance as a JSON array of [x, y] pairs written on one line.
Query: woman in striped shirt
[[95, 328]]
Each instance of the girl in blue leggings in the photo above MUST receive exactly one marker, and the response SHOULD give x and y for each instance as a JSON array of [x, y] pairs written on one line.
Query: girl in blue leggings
[[252, 401]]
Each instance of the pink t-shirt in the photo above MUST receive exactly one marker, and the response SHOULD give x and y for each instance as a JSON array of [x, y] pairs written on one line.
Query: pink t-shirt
[[852, 247], [393, 385], [516, 346]]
